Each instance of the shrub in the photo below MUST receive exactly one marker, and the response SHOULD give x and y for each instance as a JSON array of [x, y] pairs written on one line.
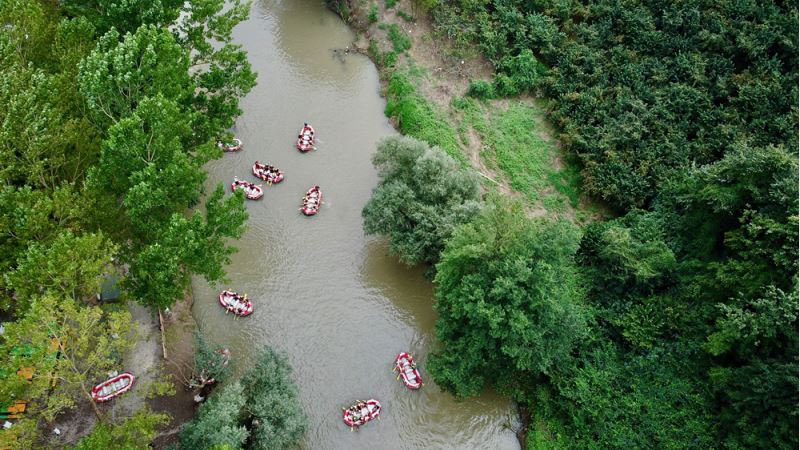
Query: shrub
[[481, 89], [400, 40], [372, 16], [504, 86]]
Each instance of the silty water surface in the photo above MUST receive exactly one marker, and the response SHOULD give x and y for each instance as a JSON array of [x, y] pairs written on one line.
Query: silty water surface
[[324, 293]]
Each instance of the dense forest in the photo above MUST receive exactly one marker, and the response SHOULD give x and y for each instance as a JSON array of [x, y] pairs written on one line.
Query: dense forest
[[674, 324]]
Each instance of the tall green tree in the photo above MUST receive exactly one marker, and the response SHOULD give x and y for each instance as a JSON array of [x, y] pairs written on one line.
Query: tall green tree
[[422, 196], [509, 302], [273, 406], [264, 413], [218, 423]]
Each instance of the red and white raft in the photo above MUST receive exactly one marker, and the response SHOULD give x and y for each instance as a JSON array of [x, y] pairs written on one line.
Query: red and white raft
[[268, 173], [311, 201], [251, 191], [361, 412], [306, 138], [112, 387], [405, 366], [235, 303], [233, 146]]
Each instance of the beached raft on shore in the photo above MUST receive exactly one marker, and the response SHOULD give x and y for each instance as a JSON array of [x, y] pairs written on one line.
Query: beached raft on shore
[[113, 387]]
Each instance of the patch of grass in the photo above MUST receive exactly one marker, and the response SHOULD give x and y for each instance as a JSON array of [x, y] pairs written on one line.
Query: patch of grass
[[372, 15], [400, 40], [416, 117], [514, 146], [390, 3], [481, 89], [406, 16]]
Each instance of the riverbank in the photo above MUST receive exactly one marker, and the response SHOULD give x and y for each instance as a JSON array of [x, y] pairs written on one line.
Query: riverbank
[[177, 353], [426, 80]]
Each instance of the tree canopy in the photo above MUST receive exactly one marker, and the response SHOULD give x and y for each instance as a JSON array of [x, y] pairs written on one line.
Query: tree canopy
[[508, 298], [264, 413], [422, 196]]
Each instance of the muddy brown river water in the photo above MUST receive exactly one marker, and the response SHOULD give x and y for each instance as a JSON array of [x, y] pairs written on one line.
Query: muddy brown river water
[[326, 294]]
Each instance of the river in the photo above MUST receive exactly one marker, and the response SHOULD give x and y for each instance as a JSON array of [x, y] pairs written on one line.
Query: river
[[326, 294]]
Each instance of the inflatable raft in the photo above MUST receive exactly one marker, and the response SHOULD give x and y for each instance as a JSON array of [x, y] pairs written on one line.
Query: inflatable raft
[[268, 173], [311, 201], [361, 412], [306, 138], [233, 146], [405, 366], [251, 191], [112, 387], [235, 303]]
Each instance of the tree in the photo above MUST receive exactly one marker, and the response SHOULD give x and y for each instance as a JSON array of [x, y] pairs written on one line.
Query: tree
[[265, 413], [273, 406], [69, 267], [160, 272], [509, 303], [118, 75], [124, 16], [421, 198], [75, 346], [211, 364], [133, 433], [218, 423]]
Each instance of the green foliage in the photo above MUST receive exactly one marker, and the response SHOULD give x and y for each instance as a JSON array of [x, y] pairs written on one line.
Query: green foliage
[[508, 296], [687, 111], [209, 362], [504, 86], [124, 16], [90, 343], [119, 74], [70, 266], [613, 400], [421, 198], [416, 117], [133, 433], [265, 413], [273, 404], [390, 3], [405, 16], [643, 90], [218, 423], [481, 89], [400, 40], [373, 13]]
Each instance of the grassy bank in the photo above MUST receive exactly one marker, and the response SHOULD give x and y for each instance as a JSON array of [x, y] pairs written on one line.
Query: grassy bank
[[426, 82]]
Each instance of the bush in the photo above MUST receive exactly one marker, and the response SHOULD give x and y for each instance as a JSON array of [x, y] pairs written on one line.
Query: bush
[[481, 89], [390, 4], [219, 421], [406, 16], [372, 16], [507, 295], [400, 40], [265, 413], [504, 86]]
